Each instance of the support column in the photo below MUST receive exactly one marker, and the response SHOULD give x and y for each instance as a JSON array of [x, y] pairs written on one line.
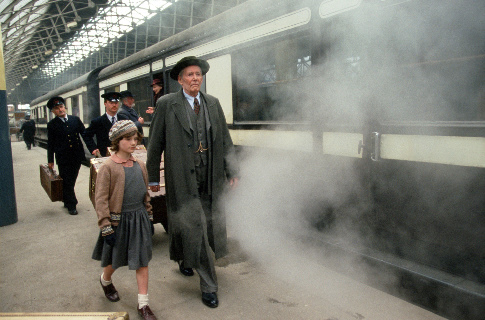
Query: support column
[[8, 204]]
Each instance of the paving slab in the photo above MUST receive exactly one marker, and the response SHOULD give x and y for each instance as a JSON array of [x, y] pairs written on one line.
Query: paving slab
[[46, 266]]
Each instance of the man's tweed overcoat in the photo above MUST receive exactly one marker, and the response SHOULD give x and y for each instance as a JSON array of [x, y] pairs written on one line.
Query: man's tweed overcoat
[[171, 134]]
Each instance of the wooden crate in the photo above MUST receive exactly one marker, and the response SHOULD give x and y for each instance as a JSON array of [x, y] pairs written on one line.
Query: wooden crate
[[51, 182]]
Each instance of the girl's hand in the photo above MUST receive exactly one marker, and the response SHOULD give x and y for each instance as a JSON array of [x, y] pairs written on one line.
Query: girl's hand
[[110, 239]]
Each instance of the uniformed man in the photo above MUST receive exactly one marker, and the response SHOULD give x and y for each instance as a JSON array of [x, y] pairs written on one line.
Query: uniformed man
[[100, 126], [64, 140]]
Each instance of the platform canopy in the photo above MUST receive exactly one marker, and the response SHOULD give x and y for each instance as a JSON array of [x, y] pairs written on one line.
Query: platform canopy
[[47, 43]]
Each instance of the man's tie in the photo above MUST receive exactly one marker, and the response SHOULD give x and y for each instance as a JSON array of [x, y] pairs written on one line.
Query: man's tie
[[64, 119], [113, 120], [196, 106]]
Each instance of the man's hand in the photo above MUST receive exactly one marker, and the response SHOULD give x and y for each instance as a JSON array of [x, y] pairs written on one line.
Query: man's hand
[[51, 165], [95, 152], [234, 182], [110, 239], [150, 110], [141, 120]]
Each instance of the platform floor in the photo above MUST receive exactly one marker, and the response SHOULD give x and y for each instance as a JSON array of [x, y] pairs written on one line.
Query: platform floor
[[46, 266]]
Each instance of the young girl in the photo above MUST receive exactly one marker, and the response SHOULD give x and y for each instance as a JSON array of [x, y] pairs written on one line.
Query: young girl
[[124, 215]]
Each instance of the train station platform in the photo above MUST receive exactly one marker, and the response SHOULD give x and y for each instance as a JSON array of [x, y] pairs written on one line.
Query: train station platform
[[46, 266]]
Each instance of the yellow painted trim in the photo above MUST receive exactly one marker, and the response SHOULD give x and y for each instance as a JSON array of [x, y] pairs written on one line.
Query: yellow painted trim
[[342, 144], [284, 140], [124, 77], [219, 83], [329, 8], [462, 151]]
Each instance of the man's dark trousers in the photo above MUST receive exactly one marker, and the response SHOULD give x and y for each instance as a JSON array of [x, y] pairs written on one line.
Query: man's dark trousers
[[69, 175]]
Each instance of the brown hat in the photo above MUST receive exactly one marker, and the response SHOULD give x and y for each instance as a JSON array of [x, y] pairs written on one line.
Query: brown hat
[[188, 61], [120, 128], [158, 82]]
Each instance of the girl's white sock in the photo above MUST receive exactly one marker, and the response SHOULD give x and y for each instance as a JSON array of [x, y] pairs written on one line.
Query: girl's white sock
[[104, 282], [142, 300]]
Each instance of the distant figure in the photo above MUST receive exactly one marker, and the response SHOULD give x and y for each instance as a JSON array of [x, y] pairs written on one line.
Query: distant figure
[[64, 140], [100, 126], [28, 130], [190, 129], [157, 86], [127, 112], [124, 215]]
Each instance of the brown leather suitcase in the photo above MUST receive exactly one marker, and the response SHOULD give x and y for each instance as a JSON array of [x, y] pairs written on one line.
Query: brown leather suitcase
[[51, 182], [93, 171], [157, 198], [66, 316]]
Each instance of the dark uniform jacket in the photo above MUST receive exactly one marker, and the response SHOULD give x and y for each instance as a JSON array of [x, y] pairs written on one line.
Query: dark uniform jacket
[[171, 133], [99, 127], [130, 114], [28, 129], [64, 140]]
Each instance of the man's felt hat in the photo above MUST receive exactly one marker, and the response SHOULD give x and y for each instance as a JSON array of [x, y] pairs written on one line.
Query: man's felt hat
[[54, 102], [188, 61], [156, 81], [120, 128], [126, 94], [111, 96]]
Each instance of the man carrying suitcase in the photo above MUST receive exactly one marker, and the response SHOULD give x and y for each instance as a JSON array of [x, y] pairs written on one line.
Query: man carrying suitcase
[[64, 140]]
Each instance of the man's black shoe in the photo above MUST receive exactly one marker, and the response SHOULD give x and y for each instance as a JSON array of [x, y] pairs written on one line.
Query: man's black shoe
[[210, 299], [73, 212], [185, 271]]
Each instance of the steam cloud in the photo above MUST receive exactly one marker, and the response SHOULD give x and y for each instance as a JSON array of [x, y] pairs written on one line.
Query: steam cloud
[[371, 72]]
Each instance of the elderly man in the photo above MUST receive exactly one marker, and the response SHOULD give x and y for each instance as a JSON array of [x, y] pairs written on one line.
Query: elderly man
[[64, 141], [190, 127], [100, 126], [127, 112]]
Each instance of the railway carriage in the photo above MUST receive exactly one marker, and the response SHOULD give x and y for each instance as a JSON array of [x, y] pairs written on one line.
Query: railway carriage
[[392, 90]]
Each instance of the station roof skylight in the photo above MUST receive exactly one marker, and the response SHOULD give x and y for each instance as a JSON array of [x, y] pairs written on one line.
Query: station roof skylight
[[111, 23]]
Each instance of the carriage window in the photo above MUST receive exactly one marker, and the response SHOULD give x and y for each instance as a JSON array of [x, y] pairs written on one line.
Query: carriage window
[[75, 106], [44, 114], [265, 78], [142, 91], [173, 86]]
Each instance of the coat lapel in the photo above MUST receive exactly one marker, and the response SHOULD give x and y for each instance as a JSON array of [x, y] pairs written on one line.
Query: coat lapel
[[180, 112], [211, 113]]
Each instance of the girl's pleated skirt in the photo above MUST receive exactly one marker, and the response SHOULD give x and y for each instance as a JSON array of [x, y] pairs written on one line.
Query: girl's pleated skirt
[[133, 247]]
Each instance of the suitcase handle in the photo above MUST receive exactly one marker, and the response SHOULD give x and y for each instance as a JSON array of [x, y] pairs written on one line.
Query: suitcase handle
[[51, 170]]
